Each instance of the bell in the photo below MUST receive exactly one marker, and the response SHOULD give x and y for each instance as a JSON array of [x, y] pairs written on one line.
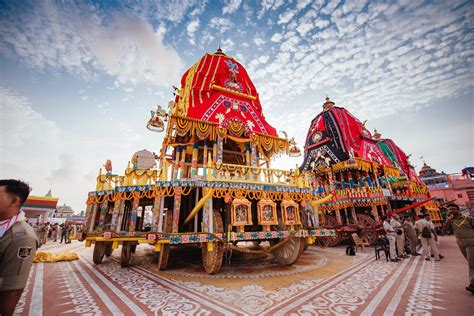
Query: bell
[[294, 150], [156, 124]]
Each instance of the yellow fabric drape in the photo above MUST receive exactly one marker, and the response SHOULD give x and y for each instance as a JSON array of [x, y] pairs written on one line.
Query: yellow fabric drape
[[42, 256]]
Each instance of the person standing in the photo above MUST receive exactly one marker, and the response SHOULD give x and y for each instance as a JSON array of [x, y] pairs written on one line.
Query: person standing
[[60, 230], [64, 232], [428, 237], [18, 244], [45, 233], [463, 227], [54, 232], [391, 238], [399, 235], [410, 234], [68, 233], [428, 218]]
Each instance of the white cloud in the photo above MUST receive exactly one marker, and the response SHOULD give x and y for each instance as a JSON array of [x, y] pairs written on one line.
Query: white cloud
[[21, 126], [330, 6], [277, 37], [37, 150], [79, 40], [263, 59], [220, 24], [198, 10], [28, 142], [173, 11], [301, 4], [228, 45], [286, 16], [192, 28], [259, 41], [269, 5], [396, 62], [231, 6]]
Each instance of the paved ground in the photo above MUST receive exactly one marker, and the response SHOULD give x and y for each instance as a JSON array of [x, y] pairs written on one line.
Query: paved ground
[[323, 282]]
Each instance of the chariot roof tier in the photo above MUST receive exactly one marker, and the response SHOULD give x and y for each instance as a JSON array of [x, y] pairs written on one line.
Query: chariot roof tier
[[397, 156], [335, 136], [217, 98]]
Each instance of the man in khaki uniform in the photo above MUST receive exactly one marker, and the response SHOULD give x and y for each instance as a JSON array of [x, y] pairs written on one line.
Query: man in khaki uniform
[[18, 244], [428, 243], [399, 235], [391, 238], [463, 227], [410, 234]]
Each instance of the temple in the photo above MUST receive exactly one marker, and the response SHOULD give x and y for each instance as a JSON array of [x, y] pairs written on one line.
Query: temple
[[455, 187], [40, 208]]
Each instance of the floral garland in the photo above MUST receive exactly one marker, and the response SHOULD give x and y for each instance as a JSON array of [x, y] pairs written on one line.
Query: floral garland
[[235, 128], [186, 125], [186, 190], [138, 173], [355, 163]]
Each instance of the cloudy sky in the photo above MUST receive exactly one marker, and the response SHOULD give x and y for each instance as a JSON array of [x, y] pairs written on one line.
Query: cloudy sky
[[78, 79]]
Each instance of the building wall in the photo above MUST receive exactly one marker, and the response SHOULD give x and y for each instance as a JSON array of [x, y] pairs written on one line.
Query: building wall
[[464, 196]]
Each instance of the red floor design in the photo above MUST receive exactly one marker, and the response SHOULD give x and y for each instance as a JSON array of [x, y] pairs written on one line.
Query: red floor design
[[368, 287]]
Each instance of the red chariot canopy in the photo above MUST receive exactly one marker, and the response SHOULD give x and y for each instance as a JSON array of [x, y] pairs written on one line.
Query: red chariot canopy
[[218, 89]]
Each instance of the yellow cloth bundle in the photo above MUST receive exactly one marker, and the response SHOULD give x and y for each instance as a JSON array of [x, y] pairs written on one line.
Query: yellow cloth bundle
[[42, 256]]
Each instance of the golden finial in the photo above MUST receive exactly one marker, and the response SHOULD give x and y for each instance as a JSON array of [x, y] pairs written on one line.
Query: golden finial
[[328, 104], [377, 135]]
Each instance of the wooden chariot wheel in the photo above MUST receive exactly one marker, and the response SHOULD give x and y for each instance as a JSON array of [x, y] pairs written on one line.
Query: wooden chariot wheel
[[126, 254], [164, 254], [108, 249], [290, 251], [333, 241], [99, 252], [367, 224], [212, 260]]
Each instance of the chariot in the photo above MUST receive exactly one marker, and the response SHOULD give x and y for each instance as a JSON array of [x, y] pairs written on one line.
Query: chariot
[[367, 176], [210, 185]]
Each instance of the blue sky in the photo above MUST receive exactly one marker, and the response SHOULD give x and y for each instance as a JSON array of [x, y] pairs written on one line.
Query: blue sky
[[78, 79]]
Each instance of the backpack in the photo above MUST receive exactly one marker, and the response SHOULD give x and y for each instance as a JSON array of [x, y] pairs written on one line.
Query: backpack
[[350, 250], [426, 233]]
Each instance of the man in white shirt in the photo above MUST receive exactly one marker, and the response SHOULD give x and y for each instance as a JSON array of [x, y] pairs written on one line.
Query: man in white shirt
[[399, 235], [428, 237], [391, 238]]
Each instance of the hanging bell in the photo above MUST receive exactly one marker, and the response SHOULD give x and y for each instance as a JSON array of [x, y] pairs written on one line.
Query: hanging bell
[[156, 124], [294, 150]]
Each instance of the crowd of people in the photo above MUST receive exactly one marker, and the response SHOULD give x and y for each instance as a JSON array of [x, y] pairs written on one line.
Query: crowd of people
[[54, 232], [407, 237]]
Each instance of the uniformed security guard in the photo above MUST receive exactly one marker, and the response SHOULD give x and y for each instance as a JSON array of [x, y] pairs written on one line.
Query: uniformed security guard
[[463, 227], [18, 244]]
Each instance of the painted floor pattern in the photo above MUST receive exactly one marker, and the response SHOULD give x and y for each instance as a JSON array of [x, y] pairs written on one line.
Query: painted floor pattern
[[324, 282]]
